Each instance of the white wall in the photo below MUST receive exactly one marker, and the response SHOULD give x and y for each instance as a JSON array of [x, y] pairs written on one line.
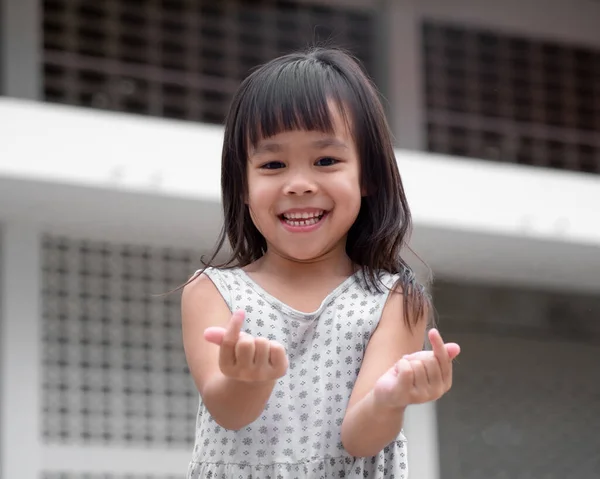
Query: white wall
[[479, 220], [20, 359]]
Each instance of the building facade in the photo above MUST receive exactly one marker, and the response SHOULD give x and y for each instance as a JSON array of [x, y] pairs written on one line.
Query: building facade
[[110, 141]]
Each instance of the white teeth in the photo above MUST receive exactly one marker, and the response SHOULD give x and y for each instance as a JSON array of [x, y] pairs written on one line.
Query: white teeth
[[303, 222], [297, 216]]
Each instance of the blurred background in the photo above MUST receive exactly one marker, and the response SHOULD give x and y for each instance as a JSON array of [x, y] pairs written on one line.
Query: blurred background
[[110, 136]]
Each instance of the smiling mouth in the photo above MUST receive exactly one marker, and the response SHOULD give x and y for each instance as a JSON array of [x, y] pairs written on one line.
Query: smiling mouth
[[302, 219]]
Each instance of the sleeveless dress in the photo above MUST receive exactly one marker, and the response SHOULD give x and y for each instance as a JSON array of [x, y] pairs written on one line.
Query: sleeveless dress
[[298, 434]]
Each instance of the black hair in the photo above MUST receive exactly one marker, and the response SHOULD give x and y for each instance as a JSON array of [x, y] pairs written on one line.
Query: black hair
[[293, 92]]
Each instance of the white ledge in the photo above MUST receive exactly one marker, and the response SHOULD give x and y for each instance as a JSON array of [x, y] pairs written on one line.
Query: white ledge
[[115, 460], [113, 176]]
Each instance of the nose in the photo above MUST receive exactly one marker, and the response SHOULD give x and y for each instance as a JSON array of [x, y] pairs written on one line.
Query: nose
[[300, 184]]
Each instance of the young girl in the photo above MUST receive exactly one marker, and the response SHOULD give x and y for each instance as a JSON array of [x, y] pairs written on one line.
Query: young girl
[[306, 345]]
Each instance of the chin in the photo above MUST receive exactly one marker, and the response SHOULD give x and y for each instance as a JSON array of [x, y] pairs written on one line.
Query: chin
[[302, 255]]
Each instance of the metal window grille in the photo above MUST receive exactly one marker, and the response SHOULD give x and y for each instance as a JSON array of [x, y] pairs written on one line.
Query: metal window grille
[[70, 475], [177, 58], [114, 370], [500, 97]]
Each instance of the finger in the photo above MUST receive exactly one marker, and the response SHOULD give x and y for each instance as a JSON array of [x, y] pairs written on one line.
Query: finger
[[231, 337], [420, 355], [405, 380], [234, 327], [440, 352], [453, 350], [420, 381], [277, 358], [434, 375], [244, 351], [214, 335], [261, 352], [437, 344]]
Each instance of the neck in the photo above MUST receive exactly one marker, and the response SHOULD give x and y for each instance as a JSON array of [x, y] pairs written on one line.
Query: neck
[[334, 262]]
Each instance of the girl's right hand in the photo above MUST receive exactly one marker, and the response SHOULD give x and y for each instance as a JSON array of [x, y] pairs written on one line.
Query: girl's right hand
[[244, 357]]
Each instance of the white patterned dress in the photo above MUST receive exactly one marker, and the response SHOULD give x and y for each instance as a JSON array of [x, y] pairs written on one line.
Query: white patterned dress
[[298, 434]]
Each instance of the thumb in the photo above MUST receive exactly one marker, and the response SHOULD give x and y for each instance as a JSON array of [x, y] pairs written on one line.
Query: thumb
[[386, 383], [453, 350], [392, 388], [214, 335]]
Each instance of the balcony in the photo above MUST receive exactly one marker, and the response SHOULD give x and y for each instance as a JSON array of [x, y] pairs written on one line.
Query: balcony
[[114, 176]]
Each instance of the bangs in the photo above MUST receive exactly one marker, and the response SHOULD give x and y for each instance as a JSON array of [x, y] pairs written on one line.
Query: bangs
[[307, 91], [291, 96]]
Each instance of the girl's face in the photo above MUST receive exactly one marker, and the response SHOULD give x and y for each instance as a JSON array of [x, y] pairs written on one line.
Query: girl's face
[[304, 190]]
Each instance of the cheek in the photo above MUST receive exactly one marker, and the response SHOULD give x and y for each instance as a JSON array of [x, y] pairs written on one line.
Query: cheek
[[356, 195], [351, 188], [260, 195]]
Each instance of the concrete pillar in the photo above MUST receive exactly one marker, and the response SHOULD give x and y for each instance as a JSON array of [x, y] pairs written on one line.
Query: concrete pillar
[[20, 352]]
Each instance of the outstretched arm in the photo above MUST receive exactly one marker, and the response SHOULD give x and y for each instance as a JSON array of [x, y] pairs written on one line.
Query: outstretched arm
[[234, 372], [395, 373]]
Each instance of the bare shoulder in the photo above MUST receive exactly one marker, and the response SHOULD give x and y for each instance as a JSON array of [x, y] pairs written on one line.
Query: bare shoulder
[[393, 318], [202, 306], [392, 339], [200, 288]]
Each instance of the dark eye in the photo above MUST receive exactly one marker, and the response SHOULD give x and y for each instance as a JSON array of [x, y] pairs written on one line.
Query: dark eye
[[272, 165], [327, 161]]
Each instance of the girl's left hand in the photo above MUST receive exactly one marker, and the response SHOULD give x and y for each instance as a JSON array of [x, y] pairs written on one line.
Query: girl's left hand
[[419, 377]]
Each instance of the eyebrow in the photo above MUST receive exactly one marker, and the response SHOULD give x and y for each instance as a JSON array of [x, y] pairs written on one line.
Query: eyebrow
[[272, 147]]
